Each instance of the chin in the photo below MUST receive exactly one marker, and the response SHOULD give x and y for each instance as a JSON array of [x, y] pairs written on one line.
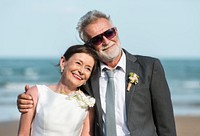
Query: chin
[[108, 57]]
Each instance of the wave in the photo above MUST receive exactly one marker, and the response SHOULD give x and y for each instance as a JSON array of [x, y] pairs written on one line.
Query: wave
[[192, 84], [186, 111], [16, 87]]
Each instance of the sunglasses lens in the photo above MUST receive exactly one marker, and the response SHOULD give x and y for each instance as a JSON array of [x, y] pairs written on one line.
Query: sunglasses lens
[[96, 40], [109, 34]]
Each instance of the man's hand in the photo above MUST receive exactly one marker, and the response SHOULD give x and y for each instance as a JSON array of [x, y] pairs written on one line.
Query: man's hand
[[24, 101]]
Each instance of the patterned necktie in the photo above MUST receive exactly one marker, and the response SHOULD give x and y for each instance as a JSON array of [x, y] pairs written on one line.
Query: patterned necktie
[[110, 105]]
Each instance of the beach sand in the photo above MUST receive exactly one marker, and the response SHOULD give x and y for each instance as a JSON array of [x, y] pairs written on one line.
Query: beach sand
[[185, 126], [8, 128], [188, 125]]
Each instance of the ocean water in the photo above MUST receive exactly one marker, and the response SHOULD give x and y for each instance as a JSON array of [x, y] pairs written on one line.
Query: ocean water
[[183, 78], [184, 81], [15, 74]]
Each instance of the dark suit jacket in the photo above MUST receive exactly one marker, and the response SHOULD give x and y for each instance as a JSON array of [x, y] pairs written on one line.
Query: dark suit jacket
[[148, 103]]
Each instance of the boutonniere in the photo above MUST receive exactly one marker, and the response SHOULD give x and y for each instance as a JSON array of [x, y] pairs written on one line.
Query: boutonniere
[[82, 100], [133, 79]]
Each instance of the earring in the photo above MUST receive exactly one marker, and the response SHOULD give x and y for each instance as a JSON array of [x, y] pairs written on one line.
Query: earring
[[61, 70]]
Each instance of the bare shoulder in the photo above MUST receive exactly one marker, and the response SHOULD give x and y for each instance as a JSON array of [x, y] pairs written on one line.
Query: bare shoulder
[[33, 91]]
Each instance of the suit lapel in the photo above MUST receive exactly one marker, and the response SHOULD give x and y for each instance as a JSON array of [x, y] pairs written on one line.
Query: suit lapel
[[96, 91], [131, 66]]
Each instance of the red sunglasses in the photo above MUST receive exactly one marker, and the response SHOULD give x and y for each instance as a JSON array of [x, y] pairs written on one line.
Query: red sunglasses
[[97, 40]]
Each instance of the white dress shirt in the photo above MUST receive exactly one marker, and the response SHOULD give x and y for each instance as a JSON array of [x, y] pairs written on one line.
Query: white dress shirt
[[120, 106]]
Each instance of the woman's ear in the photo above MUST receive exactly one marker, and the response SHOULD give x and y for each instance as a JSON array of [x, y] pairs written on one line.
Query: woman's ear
[[62, 63]]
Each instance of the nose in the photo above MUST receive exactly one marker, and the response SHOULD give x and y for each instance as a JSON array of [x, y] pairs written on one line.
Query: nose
[[105, 40], [80, 70]]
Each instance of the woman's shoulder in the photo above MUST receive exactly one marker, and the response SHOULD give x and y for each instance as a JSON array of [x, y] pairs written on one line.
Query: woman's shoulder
[[32, 90]]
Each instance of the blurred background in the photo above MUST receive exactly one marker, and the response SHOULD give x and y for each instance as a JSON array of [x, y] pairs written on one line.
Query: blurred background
[[34, 34]]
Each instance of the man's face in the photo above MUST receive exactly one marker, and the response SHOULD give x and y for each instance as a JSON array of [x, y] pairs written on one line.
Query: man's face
[[108, 48]]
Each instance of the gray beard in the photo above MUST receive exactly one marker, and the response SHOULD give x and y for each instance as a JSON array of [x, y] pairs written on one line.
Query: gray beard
[[107, 58]]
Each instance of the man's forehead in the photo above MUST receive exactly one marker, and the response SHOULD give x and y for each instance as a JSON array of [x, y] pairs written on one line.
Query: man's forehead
[[98, 27]]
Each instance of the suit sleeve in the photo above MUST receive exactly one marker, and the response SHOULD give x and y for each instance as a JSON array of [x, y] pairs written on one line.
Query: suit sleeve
[[161, 102]]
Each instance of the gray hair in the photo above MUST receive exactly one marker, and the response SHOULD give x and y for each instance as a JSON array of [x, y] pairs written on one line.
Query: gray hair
[[87, 19]]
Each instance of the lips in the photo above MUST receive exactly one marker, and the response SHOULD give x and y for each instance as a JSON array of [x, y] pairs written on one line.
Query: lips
[[77, 76]]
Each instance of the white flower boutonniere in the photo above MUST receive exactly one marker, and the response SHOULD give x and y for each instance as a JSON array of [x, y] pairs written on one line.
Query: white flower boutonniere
[[133, 79], [83, 100]]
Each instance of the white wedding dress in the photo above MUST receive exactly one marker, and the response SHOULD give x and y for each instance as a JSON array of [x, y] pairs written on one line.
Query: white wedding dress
[[56, 115]]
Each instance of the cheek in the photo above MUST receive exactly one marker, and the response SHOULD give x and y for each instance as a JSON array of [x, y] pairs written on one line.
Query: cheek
[[97, 47], [87, 75], [72, 67], [68, 70], [116, 41]]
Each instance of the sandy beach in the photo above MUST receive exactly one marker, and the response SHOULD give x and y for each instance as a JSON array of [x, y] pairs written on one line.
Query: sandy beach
[[188, 125], [8, 128], [185, 125]]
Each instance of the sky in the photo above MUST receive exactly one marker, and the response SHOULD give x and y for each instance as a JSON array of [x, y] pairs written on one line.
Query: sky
[[46, 28]]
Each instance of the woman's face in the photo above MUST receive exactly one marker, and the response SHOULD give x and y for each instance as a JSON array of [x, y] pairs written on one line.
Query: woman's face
[[76, 70]]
